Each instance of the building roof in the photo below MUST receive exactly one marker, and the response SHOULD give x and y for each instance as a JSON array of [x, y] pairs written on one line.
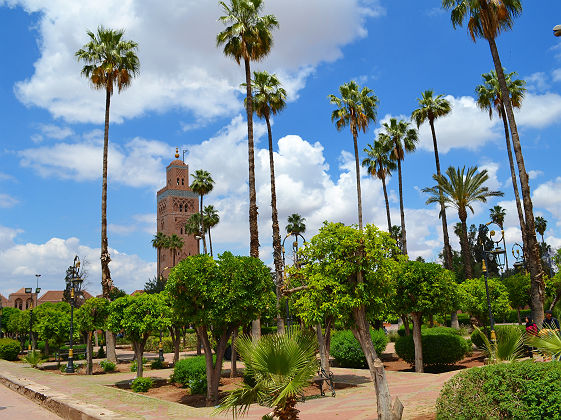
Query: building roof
[[177, 162], [58, 296], [4, 300], [137, 292]]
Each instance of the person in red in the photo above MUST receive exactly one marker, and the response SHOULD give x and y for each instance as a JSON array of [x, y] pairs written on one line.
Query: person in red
[[531, 327]]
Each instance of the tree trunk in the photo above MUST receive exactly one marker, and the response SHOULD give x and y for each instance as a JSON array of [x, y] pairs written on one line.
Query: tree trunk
[[403, 233], [417, 322], [324, 341], [362, 334], [138, 353], [89, 352], [518, 313], [289, 411], [199, 344], [464, 243], [210, 242], [447, 248], [357, 170], [431, 321], [534, 261], [454, 323], [106, 283], [213, 370], [110, 346], [175, 333], [387, 205], [405, 320], [256, 330], [234, 361], [277, 248], [47, 349]]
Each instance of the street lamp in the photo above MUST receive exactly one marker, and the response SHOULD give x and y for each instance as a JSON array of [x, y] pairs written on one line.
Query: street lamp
[[73, 284], [497, 252], [518, 254], [295, 254], [31, 344], [557, 30]]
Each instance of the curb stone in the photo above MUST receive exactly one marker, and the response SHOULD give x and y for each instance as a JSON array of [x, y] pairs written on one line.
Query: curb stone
[[60, 404]]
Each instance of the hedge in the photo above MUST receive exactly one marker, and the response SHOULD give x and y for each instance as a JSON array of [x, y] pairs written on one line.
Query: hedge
[[521, 390], [346, 349], [191, 373], [9, 349], [441, 346]]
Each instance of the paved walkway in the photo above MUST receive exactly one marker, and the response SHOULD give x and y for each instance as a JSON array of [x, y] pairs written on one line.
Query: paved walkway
[[418, 393], [14, 406]]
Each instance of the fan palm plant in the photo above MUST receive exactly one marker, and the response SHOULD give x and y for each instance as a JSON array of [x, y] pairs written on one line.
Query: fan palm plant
[[508, 347], [487, 19], [282, 365], [403, 139], [460, 189], [202, 184], [247, 38], [548, 343], [109, 61], [488, 96], [379, 165], [430, 108], [356, 108]]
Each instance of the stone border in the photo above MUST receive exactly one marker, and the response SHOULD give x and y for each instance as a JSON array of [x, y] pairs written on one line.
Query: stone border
[[60, 404]]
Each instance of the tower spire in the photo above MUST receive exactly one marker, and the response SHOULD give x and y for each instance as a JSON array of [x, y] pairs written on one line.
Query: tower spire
[[177, 152]]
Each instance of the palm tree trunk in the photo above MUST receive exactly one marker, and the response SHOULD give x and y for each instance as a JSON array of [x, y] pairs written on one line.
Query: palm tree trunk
[[534, 261], [387, 205], [464, 243], [513, 177], [253, 228], [357, 169], [403, 233], [210, 241], [447, 247], [203, 233], [105, 259], [277, 251]]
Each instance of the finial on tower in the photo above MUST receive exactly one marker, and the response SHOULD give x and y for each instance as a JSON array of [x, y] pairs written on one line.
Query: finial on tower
[[177, 152]]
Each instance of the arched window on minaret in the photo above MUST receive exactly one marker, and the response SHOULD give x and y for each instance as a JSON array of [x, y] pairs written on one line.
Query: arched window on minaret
[[180, 207], [177, 181], [182, 181]]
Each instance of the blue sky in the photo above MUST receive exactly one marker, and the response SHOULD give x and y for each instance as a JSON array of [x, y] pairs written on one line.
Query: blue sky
[[188, 96]]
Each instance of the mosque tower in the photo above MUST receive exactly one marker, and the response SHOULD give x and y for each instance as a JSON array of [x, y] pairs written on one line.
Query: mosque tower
[[176, 203]]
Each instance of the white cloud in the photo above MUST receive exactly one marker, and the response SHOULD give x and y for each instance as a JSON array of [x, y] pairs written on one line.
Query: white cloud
[[140, 222], [19, 263], [7, 201], [537, 81], [548, 197], [556, 75], [533, 174], [180, 63], [492, 167], [539, 111]]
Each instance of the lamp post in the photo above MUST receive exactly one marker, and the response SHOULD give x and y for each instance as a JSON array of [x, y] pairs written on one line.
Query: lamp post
[[497, 251], [518, 254], [295, 253], [74, 284], [557, 30]]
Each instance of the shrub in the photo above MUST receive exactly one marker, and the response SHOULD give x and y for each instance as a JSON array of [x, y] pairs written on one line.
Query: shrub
[[523, 390], [190, 341], [9, 349], [439, 348], [268, 330], [133, 364], [512, 315], [346, 349], [499, 330], [142, 384], [101, 353], [157, 364], [393, 336], [33, 358], [107, 366], [191, 373]]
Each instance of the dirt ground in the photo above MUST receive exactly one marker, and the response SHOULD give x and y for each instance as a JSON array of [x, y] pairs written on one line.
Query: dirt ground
[[394, 363]]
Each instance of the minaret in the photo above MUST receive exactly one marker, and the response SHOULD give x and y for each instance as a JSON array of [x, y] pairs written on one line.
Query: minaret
[[176, 203]]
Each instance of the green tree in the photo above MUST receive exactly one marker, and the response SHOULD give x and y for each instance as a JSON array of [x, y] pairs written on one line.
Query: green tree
[[460, 189], [296, 224], [356, 108], [51, 322], [518, 287], [217, 297], [350, 273], [497, 215], [91, 316], [247, 38], [487, 19], [110, 61], [423, 289], [488, 98], [159, 241], [212, 218], [7, 314], [155, 285], [202, 184], [174, 244], [269, 98], [430, 108], [473, 299], [281, 365], [138, 316], [403, 139], [379, 165]]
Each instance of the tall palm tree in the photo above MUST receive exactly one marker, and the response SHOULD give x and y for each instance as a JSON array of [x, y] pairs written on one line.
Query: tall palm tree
[[403, 139], [356, 108], [110, 61], [193, 226], [497, 215], [159, 242], [379, 165], [174, 244], [487, 19], [296, 224], [269, 98], [541, 226], [460, 189], [247, 38], [430, 108], [210, 214], [488, 98], [202, 184]]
